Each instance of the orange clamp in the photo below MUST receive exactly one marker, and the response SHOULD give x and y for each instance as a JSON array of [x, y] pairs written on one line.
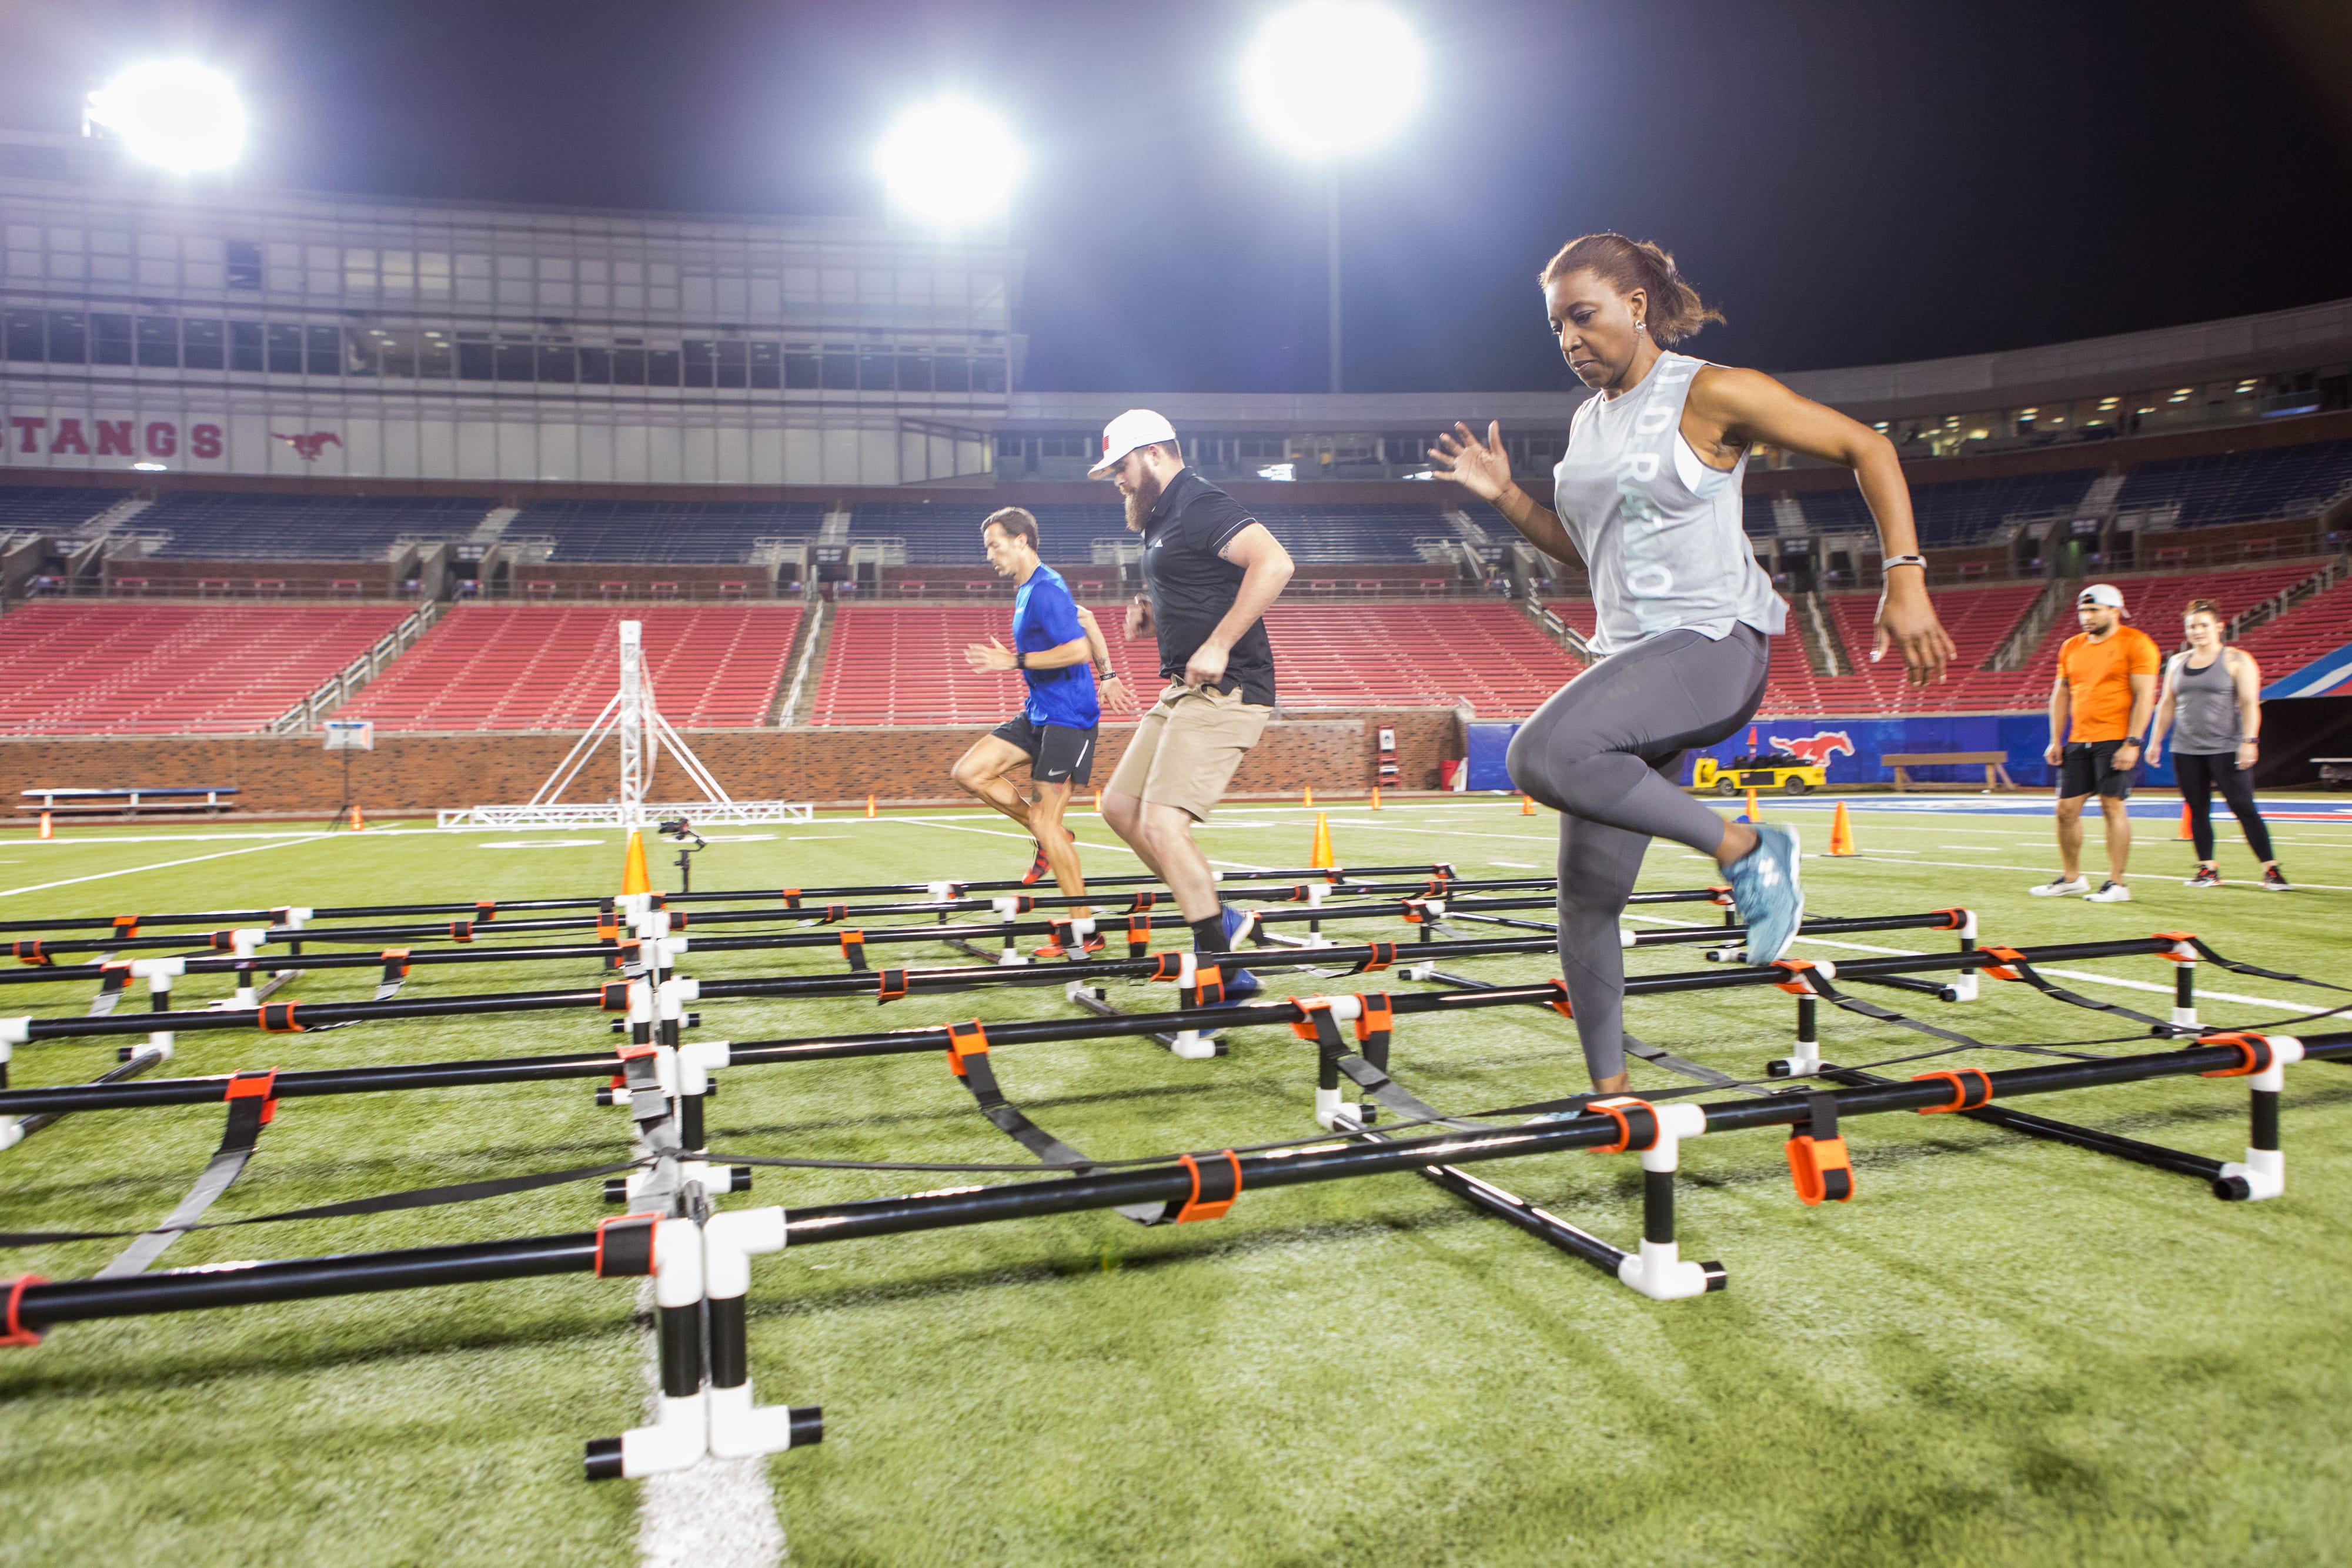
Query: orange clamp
[[255, 1086], [1560, 1003], [890, 986], [1166, 966], [486, 910], [1383, 954], [1208, 985], [791, 898], [126, 925], [1622, 1108], [2007, 956], [278, 1018], [16, 1332], [624, 1246], [1304, 1026], [1229, 1177], [1796, 985], [1139, 936], [461, 931], [1965, 1095], [1954, 919], [965, 1039], [396, 962], [30, 953], [2179, 939], [2254, 1054], [612, 997], [1378, 1017], [1817, 1159], [1415, 915]]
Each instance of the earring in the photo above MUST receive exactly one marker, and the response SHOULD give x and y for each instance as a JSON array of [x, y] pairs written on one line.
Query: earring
[[1641, 326]]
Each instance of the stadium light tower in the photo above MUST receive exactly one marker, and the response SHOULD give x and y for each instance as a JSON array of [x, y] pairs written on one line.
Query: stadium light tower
[[949, 162], [1327, 79], [176, 113]]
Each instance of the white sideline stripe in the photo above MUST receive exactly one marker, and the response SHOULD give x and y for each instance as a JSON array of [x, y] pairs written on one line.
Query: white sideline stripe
[[718, 1514], [1990, 866], [2083, 975], [161, 865]]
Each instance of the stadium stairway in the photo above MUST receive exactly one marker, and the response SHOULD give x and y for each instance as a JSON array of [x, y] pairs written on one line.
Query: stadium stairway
[[551, 667], [116, 667]]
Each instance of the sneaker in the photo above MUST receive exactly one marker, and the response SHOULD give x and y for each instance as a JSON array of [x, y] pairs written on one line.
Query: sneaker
[[1764, 886], [2058, 887], [2113, 893], [1038, 867], [1240, 984], [2207, 877], [2275, 880]]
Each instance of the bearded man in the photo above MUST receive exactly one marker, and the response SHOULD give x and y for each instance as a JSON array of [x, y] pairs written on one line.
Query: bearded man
[[1210, 571]]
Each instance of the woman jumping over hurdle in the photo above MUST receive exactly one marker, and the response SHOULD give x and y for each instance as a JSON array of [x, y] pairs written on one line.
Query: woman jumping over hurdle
[[1647, 497], [2215, 693]]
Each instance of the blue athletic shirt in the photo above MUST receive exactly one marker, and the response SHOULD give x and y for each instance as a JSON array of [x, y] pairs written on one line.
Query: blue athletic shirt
[[1047, 619]]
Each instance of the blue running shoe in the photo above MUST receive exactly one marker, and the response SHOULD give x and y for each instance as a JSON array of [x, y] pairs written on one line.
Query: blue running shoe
[[1240, 984], [1764, 884]]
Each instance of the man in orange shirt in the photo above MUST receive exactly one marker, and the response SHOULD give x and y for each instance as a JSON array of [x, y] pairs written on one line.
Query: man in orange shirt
[[2106, 684]]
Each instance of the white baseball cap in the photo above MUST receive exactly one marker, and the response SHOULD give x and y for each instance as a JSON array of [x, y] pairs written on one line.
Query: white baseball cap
[[2101, 593], [1135, 427]]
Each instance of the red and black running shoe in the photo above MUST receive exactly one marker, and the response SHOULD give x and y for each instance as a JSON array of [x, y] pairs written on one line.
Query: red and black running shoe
[[1038, 868]]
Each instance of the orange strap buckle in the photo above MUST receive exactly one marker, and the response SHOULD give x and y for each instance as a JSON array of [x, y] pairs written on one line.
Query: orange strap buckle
[[1415, 915], [1139, 937], [1222, 1184], [1796, 985], [486, 910], [853, 948], [396, 962], [613, 997], [1636, 1119], [1382, 954], [255, 1086], [1965, 1095], [16, 1332], [461, 931], [30, 953], [1720, 896], [1953, 919], [891, 986], [1208, 985], [624, 1246], [791, 898], [1818, 1158], [126, 925], [2007, 956], [965, 1039], [1167, 966], [278, 1018], [2254, 1054], [1558, 1002], [1143, 901], [2179, 939], [1378, 1017], [1304, 1026]]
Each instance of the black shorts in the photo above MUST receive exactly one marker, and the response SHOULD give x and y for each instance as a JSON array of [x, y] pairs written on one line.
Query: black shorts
[[1057, 754], [2088, 768]]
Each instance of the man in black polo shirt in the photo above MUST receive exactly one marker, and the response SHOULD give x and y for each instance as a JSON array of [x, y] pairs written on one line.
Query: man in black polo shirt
[[1210, 569]]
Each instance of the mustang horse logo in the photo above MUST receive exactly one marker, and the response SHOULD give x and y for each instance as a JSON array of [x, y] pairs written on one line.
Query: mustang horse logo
[[1818, 748], [309, 446]]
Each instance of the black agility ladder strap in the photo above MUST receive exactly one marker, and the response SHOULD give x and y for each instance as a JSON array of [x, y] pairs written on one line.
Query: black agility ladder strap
[[1139, 936], [889, 985], [278, 1018], [1972, 1088], [967, 1058], [1818, 1158], [624, 1246], [1381, 956], [112, 979], [125, 926], [1368, 1070], [2254, 1054], [1316, 1025], [1636, 1119], [853, 948], [1216, 1182], [251, 1107], [16, 1333]]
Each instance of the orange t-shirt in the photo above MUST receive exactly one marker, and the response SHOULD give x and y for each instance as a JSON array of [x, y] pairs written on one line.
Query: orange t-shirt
[[2098, 680]]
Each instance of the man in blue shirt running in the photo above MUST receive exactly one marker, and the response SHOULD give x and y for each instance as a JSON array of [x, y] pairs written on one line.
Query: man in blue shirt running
[[1060, 652]]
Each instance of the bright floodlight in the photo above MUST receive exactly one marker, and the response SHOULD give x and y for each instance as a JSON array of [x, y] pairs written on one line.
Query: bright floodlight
[[1332, 76], [949, 162], [174, 113]]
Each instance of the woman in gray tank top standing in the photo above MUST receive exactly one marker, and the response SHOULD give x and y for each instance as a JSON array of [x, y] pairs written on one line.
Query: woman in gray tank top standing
[[2212, 703], [1648, 497]]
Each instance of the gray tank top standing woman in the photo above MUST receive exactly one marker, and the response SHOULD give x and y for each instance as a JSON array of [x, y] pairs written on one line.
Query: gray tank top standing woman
[[2211, 702], [1648, 498]]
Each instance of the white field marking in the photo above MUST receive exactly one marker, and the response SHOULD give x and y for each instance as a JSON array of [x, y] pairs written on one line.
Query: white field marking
[[542, 845], [718, 1514], [83, 842], [815, 838], [1515, 865], [1989, 865], [737, 838], [159, 866], [1024, 838], [2083, 975]]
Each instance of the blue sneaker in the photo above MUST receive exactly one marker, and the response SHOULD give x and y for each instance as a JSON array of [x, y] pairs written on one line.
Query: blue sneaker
[[1764, 886], [1240, 984]]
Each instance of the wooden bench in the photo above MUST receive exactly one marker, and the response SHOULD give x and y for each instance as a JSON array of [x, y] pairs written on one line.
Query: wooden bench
[[128, 801], [1996, 774]]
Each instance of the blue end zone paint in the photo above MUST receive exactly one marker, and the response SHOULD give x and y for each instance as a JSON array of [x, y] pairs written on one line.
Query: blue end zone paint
[[2330, 675]]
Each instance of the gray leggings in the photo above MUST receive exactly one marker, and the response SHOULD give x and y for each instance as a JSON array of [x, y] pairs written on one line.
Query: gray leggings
[[1604, 752]]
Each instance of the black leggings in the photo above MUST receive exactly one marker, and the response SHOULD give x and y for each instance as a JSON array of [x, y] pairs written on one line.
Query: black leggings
[[2198, 773]]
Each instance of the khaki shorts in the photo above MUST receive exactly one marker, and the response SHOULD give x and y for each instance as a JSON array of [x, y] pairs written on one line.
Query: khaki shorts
[[1186, 748]]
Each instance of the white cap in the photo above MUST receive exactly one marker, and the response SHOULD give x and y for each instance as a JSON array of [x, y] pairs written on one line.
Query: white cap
[[2101, 593], [1135, 427]]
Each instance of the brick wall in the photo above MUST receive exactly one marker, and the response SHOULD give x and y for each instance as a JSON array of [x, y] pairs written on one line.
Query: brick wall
[[423, 772]]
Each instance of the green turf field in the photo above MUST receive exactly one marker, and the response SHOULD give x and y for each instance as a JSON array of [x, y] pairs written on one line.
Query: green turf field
[[2000, 1352]]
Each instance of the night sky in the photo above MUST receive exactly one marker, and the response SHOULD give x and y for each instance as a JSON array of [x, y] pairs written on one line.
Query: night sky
[[1851, 183]]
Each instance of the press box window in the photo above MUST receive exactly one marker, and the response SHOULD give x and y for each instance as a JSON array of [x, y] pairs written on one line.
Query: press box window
[[244, 264], [203, 345], [109, 340], [326, 349], [245, 346], [159, 341]]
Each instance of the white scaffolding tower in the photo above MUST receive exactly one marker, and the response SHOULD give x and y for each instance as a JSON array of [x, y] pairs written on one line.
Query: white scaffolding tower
[[633, 716]]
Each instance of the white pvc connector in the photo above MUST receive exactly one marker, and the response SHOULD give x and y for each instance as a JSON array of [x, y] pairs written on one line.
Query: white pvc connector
[[697, 1060], [2264, 1170], [738, 1426], [153, 970], [941, 892], [1964, 984], [15, 1031], [1658, 1270], [1804, 1062], [12, 1132], [1315, 892], [1968, 931], [679, 1433]]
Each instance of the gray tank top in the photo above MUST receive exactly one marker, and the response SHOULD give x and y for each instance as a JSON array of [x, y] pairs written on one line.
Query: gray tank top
[[1659, 530], [2204, 706]]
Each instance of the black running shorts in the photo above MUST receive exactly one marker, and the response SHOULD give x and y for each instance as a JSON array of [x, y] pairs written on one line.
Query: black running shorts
[[2088, 768], [1057, 754]]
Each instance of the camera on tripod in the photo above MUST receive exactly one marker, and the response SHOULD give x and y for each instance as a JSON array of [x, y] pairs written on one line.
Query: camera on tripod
[[678, 828]]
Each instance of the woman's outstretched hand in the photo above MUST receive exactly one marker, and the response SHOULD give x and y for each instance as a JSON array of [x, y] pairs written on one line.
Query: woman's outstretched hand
[[1482, 469], [1906, 621]]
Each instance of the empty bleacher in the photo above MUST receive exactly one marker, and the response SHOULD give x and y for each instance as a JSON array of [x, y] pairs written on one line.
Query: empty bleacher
[[1955, 512], [665, 531], [228, 526], [113, 667], [1361, 532], [548, 667], [948, 532], [51, 508], [2318, 626], [2240, 486], [1978, 620], [891, 664]]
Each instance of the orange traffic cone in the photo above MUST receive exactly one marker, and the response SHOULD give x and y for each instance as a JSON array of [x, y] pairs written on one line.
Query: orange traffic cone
[[1527, 806], [1098, 802], [47, 831], [2184, 835], [1841, 833], [869, 805], [635, 877], [1310, 795], [359, 824], [1376, 797], [1755, 812], [1319, 857]]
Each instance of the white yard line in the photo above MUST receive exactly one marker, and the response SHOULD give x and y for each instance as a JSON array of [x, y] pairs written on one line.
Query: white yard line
[[719, 1514], [159, 866], [2045, 870]]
